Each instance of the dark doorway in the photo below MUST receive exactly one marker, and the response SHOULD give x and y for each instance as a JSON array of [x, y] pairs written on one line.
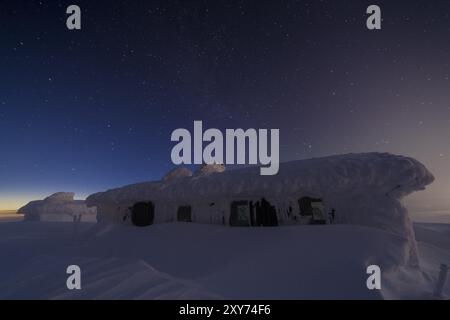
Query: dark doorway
[[184, 214], [143, 214], [313, 208], [266, 214], [305, 205]]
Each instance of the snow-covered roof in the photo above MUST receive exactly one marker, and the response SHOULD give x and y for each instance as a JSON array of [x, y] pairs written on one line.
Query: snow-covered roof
[[61, 197], [383, 172], [208, 169], [177, 174]]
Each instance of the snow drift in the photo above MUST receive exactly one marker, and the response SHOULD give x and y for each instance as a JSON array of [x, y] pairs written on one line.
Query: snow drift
[[60, 206], [193, 261]]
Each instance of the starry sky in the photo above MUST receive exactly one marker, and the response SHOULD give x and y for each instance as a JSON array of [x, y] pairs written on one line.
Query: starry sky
[[93, 109]]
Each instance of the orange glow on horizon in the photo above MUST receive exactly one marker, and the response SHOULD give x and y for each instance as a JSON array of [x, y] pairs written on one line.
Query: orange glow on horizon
[[8, 202], [11, 201], [10, 205]]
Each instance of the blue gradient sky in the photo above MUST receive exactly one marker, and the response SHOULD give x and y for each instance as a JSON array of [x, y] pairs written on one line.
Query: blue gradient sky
[[89, 110]]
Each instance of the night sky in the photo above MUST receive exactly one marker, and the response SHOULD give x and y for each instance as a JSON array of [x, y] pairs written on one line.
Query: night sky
[[88, 110]]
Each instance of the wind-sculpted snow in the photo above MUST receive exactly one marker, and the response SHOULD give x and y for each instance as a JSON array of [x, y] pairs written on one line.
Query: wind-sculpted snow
[[57, 207], [193, 261], [363, 189], [177, 174], [397, 176]]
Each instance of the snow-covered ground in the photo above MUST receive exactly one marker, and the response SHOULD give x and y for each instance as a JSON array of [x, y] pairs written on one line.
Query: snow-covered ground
[[192, 261]]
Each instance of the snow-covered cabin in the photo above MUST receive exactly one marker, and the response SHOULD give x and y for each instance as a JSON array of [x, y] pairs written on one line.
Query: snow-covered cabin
[[364, 189], [58, 207]]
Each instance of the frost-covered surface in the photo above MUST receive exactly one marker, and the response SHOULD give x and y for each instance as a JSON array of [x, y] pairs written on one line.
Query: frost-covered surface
[[364, 189], [387, 173], [177, 174], [192, 261], [60, 206], [208, 169]]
